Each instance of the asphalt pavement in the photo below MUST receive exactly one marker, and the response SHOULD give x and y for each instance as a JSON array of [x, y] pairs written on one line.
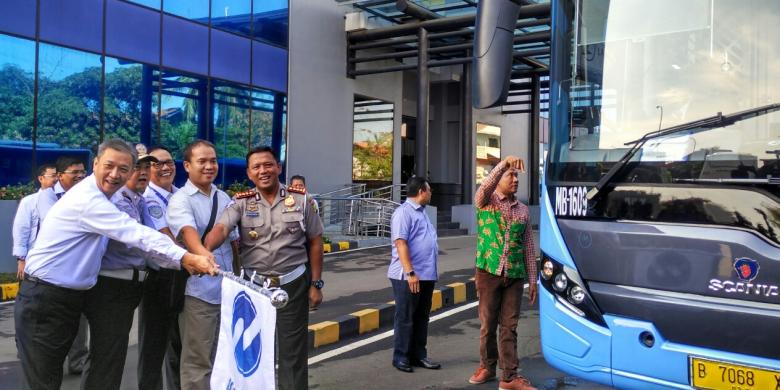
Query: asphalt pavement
[[357, 280]]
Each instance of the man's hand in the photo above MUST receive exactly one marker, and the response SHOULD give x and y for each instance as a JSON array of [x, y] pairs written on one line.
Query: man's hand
[[531, 294], [199, 264], [20, 269], [515, 162], [414, 283], [315, 297]]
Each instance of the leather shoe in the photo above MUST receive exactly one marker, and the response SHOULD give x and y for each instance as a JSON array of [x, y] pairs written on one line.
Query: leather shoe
[[402, 366], [426, 363]]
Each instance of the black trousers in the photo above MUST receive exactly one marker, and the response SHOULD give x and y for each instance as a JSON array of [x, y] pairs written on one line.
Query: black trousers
[[292, 327], [159, 339], [109, 308], [46, 321], [410, 323]]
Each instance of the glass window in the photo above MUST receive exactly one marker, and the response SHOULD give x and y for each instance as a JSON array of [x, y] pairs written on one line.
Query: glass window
[[232, 15], [197, 10], [372, 142], [74, 23], [488, 150], [18, 17], [17, 77], [231, 131], [130, 101], [262, 118], [182, 105], [68, 100], [132, 32], [270, 20], [185, 45], [230, 57], [149, 3]]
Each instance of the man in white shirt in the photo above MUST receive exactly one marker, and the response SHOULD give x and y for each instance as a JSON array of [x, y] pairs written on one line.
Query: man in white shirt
[[66, 259], [159, 340], [27, 219], [192, 211]]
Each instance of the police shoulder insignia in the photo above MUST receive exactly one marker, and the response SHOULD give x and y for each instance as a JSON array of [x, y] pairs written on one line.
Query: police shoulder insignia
[[244, 194], [297, 189]]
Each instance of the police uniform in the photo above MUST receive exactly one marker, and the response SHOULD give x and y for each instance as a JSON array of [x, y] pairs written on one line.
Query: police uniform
[[273, 239]]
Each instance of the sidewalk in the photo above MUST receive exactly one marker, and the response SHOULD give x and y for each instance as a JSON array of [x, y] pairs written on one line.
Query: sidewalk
[[357, 289]]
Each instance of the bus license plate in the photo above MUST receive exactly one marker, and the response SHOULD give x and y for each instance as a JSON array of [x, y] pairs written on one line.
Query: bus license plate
[[716, 375]]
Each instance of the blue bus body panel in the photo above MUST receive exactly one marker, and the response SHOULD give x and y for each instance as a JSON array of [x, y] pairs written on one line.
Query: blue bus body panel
[[665, 365], [550, 238], [573, 344]]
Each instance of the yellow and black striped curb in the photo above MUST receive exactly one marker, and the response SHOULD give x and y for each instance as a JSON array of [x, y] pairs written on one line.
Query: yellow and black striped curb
[[369, 320], [9, 290], [339, 246]]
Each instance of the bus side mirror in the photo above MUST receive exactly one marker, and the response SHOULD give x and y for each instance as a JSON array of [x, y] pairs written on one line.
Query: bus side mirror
[[493, 48]]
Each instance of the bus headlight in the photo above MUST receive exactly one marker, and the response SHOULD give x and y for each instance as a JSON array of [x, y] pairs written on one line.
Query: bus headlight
[[577, 295], [560, 282], [547, 270]]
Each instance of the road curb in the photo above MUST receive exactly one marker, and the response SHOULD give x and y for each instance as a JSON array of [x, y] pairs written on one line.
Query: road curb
[[9, 291], [372, 319], [339, 246]]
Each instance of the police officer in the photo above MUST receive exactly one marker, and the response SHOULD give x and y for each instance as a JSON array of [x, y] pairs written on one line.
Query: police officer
[[276, 224], [66, 259]]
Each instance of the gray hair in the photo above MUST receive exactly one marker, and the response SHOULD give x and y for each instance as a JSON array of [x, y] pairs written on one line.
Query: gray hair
[[118, 145]]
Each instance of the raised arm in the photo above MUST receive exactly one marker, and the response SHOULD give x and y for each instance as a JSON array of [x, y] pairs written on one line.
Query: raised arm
[[485, 191]]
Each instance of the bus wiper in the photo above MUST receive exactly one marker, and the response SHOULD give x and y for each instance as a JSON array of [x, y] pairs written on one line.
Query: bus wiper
[[716, 121]]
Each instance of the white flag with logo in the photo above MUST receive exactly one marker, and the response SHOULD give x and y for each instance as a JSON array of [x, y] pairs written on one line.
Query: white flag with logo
[[245, 350]]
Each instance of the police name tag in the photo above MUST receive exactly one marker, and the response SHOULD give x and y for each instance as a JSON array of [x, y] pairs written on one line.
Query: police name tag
[[571, 201]]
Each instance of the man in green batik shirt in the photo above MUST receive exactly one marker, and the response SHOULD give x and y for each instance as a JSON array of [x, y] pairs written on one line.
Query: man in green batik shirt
[[505, 257]]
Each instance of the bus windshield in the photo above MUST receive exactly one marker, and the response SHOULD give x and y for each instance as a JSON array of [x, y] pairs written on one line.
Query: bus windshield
[[639, 66]]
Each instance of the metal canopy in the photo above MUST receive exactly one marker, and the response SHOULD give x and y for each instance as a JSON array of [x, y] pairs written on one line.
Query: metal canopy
[[450, 33]]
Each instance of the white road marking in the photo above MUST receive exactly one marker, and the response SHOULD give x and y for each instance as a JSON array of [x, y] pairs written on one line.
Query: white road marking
[[373, 339]]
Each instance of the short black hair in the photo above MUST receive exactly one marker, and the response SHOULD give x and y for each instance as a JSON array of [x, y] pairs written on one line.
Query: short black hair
[[43, 167], [159, 147], [298, 177], [64, 162], [261, 149], [415, 185], [194, 144]]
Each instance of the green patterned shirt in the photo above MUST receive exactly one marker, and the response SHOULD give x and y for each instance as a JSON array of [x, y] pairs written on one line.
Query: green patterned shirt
[[491, 245]]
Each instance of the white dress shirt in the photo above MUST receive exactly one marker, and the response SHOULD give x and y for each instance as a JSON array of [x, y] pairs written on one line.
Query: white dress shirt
[[75, 233], [157, 201]]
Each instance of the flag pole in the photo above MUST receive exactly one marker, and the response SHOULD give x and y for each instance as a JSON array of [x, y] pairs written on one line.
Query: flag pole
[[277, 296]]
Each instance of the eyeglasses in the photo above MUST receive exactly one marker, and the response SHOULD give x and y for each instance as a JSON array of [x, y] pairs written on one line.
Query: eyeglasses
[[168, 163], [76, 172]]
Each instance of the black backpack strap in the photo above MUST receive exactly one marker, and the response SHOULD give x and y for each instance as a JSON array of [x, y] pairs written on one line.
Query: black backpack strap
[[212, 218]]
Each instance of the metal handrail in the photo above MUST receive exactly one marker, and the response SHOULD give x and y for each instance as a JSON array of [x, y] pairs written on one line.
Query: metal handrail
[[347, 190], [394, 192], [353, 216]]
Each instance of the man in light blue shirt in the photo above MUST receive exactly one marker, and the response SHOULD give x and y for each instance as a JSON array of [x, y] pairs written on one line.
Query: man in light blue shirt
[[190, 212], [27, 220], [66, 259], [413, 274]]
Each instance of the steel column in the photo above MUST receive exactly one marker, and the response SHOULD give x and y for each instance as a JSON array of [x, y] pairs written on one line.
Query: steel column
[[467, 164], [423, 97], [533, 143]]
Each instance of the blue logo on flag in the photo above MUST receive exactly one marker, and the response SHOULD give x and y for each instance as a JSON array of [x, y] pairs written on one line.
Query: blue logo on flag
[[246, 334]]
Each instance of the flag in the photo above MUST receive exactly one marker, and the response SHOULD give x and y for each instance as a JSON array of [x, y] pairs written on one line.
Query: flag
[[245, 348]]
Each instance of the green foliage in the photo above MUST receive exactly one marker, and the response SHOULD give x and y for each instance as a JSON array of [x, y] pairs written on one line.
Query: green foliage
[[373, 160], [16, 192], [237, 187], [6, 277]]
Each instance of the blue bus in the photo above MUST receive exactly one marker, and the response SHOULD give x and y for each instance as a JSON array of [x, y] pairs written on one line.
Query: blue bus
[[660, 204]]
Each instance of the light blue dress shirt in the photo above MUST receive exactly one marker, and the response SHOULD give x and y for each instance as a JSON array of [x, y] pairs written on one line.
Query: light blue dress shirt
[[118, 254], [191, 207], [75, 233], [411, 224], [25, 228]]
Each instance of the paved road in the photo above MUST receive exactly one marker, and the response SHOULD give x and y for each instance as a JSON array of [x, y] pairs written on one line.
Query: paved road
[[356, 280]]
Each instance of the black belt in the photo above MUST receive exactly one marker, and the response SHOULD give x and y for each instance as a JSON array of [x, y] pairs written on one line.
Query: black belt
[[33, 279]]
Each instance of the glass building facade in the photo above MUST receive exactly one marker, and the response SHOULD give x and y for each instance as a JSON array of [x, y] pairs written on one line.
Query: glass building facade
[[161, 72]]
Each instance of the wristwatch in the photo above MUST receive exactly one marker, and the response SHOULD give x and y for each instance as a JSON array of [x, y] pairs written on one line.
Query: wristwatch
[[318, 284], [410, 273]]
